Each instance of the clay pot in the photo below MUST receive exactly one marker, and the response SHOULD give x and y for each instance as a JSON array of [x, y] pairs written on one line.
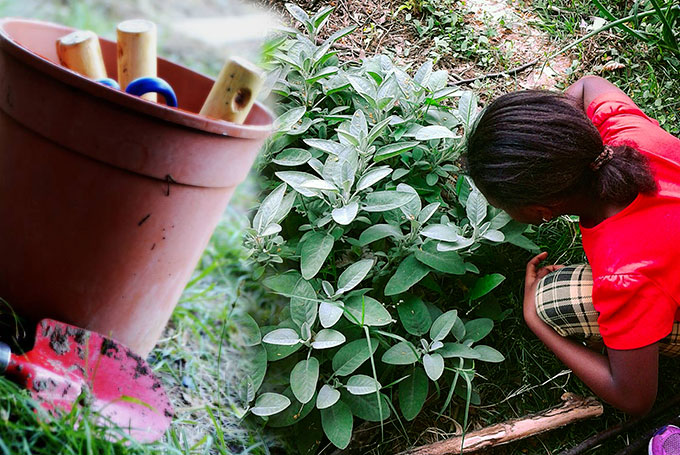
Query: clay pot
[[107, 200]]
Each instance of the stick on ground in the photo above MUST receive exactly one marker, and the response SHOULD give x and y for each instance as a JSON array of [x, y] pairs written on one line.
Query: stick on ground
[[574, 409]]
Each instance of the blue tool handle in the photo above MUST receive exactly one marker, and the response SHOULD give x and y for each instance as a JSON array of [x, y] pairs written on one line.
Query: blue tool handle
[[145, 85], [109, 82]]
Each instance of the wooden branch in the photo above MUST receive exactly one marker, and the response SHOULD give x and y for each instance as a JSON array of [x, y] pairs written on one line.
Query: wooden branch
[[509, 72], [599, 438], [574, 409]]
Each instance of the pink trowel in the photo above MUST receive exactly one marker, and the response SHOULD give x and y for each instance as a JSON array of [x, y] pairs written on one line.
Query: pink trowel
[[67, 361]]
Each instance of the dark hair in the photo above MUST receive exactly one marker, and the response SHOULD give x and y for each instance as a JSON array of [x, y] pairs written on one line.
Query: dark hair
[[537, 147]]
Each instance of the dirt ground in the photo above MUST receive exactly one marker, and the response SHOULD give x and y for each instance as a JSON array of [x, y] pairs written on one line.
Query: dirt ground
[[381, 29]]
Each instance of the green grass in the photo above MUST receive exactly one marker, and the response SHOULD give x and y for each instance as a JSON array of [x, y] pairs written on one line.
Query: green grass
[[651, 77]]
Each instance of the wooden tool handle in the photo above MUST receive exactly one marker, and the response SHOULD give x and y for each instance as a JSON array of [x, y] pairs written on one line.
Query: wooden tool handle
[[234, 92], [136, 52], [80, 51]]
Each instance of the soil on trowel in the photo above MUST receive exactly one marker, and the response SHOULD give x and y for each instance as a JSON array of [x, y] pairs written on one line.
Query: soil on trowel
[[109, 348], [59, 341], [140, 369]]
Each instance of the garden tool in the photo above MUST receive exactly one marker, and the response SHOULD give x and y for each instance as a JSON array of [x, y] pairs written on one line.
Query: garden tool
[[68, 364], [136, 52], [234, 91]]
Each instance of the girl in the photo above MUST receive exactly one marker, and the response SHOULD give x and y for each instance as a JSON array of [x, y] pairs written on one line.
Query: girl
[[593, 153]]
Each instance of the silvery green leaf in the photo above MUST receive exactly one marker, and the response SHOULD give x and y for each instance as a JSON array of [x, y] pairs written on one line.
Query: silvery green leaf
[[488, 354], [303, 379], [412, 208], [282, 337], [316, 165], [500, 220], [427, 133], [442, 326], [404, 81], [345, 215], [305, 331], [306, 123], [358, 127], [377, 130], [494, 235], [379, 231], [413, 130], [285, 206], [409, 272], [296, 180], [327, 397], [402, 353], [457, 350], [423, 74], [347, 138], [330, 313], [269, 404], [327, 288], [364, 87], [436, 345], [328, 338], [319, 184], [441, 232], [353, 275], [427, 212], [286, 120], [340, 33], [438, 80], [271, 229], [424, 344], [298, 13], [322, 16], [323, 73], [268, 209], [372, 177], [366, 310], [475, 208], [360, 384], [332, 147], [399, 173], [394, 149], [313, 253], [382, 201], [459, 244], [467, 108], [434, 365], [303, 303], [292, 157]]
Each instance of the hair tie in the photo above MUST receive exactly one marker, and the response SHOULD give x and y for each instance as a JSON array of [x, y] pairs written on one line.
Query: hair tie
[[604, 157]]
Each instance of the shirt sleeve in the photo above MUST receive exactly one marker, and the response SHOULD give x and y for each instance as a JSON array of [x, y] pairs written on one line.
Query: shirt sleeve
[[618, 119], [634, 311]]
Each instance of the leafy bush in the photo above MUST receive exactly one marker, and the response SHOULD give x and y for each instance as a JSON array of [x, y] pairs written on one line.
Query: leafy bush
[[367, 225]]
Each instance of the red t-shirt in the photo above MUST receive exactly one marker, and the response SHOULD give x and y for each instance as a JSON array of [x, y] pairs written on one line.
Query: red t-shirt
[[635, 254]]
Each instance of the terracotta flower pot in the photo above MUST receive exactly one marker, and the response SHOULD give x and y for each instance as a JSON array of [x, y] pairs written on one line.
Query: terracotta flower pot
[[107, 200]]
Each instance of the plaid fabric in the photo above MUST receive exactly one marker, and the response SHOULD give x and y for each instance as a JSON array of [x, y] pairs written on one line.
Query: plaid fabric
[[564, 301]]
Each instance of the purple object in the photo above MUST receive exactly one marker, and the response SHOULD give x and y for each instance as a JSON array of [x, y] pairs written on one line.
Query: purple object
[[666, 441]]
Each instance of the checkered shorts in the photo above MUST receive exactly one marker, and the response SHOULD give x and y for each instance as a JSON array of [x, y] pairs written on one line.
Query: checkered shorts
[[564, 301]]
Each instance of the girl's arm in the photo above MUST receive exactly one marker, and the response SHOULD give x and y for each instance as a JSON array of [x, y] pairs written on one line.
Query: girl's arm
[[625, 379], [586, 89]]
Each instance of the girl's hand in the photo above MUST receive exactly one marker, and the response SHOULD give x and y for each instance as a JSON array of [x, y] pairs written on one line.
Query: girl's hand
[[531, 279]]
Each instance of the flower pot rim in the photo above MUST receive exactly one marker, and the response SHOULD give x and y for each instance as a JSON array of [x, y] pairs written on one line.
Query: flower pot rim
[[160, 111]]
